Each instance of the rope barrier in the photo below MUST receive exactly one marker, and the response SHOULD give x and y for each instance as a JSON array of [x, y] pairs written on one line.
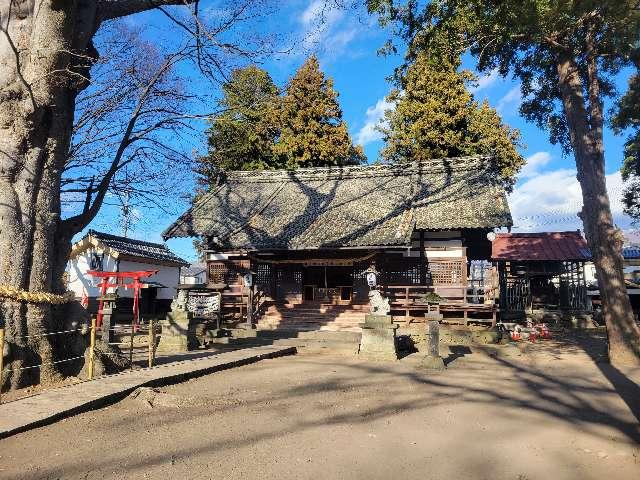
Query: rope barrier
[[35, 297], [45, 334], [149, 345], [42, 364]]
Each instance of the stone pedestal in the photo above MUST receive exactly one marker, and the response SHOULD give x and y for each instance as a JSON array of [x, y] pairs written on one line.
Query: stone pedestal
[[177, 334], [432, 360], [378, 340]]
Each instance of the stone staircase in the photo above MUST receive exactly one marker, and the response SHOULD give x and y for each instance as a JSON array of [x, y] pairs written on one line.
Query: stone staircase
[[313, 317]]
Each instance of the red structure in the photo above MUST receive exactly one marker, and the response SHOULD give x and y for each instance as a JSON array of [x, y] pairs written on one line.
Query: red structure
[[540, 246], [119, 282]]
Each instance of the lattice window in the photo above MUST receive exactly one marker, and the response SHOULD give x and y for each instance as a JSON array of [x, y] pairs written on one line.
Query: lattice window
[[218, 272], [228, 272], [447, 272], [404, 271], [263, 274]]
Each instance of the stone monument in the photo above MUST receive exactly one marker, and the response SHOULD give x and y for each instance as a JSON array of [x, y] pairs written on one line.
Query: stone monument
[[177, 334], [378, 340], [432, 360]]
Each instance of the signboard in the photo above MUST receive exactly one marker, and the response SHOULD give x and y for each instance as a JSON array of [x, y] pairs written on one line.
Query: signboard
[[371, 279]]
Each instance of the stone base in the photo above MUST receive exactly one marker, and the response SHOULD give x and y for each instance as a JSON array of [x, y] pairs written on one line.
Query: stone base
[[177, 336], [373, 320], [379, 343], [433, 363]]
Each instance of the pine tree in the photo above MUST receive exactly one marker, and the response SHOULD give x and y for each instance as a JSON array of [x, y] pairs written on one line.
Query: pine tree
[[242, 136], [313, 132], [436, 116]]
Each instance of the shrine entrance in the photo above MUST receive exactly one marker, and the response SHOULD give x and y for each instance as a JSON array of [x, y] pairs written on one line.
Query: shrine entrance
[[327, 284]]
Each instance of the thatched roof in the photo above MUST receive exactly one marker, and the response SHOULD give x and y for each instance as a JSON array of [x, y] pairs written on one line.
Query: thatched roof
[[374, 205]]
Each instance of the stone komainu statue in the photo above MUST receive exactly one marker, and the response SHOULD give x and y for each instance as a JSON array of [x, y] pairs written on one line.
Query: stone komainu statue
[[379, 304]]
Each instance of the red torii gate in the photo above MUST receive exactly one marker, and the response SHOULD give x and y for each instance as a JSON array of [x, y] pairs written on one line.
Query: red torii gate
[[119, 278]]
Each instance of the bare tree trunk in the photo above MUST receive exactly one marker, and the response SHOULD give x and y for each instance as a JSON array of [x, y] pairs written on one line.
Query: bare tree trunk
[[604, 239], [40, 47]]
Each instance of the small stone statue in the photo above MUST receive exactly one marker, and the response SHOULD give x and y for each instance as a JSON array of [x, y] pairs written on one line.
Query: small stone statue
[[379, 304], [180, 302]]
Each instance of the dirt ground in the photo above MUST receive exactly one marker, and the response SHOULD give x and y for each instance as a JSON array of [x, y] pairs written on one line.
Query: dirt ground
[[547, 413]]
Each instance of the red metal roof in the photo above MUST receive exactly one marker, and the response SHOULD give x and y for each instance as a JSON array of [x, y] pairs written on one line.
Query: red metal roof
[[553, 246]]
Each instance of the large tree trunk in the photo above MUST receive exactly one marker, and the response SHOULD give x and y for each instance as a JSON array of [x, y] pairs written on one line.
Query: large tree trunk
[[43, 53], [604, 239], [46, 52]]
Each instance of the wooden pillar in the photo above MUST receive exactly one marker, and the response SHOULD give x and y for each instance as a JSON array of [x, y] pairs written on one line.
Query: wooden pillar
[[92, 346], [423, 266], [250, 306], [1, 359]]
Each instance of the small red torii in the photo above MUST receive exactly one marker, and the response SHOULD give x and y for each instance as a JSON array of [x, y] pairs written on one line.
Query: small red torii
[[120, 278]]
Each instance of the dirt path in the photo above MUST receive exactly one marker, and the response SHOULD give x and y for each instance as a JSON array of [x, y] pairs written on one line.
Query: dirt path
[[538, 415]]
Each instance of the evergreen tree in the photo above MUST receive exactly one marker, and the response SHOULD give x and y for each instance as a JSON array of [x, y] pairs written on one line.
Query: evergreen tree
[[242, 136], [436, 116], [566, 56], [627, 116], [313, 132]]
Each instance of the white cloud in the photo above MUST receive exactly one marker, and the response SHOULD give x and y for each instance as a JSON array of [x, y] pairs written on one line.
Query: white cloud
[[551, 201], [368, 133], [534, 163], [486, 81], [319, 21], [510, 102]]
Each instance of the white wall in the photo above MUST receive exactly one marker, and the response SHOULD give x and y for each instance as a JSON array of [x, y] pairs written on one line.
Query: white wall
[[78, 279], [194, 279], [77, 270], [167, 276]]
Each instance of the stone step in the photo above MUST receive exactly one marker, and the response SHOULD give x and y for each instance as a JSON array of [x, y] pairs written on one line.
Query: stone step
[[311, 320], [321, 321], [306, 326], [311, 328], [311, 334], [321, 311], [317, 315]]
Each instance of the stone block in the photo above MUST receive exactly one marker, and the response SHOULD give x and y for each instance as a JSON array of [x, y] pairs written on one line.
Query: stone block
[[177, 334], [378, 341], [372, 320]]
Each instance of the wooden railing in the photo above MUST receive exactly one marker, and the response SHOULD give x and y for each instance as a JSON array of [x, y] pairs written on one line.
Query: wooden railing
[[406, 305]]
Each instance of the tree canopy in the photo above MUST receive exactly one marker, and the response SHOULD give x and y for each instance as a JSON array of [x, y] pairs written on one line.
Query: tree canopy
[[243, 135], [313, 131], [259, 129], [436, 116], [565, 55], [628, 117]]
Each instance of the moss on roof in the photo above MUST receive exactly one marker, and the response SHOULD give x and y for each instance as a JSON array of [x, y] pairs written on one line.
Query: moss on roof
[[374, 205]]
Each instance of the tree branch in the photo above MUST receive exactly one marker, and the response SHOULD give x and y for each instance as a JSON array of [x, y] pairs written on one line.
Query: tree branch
[[78, 222], [110, 9]]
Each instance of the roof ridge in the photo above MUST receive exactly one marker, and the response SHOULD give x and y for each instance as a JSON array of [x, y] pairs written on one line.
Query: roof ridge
[[126, 239], [352, 171], [538, 234]]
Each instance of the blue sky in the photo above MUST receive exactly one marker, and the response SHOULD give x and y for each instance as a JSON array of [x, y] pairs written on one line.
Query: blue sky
[[547, 196]]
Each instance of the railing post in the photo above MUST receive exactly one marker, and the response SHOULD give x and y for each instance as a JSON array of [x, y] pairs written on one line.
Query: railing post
[[152, 341], [1, 359], [92, 346]]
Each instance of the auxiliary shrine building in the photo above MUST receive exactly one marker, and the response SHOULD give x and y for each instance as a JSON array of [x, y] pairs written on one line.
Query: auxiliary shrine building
[[310, 236]]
